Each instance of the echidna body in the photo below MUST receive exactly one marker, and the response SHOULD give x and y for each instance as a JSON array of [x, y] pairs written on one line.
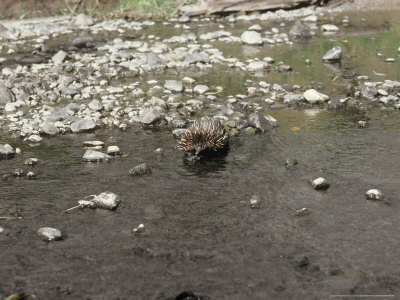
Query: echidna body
[[206, 137]]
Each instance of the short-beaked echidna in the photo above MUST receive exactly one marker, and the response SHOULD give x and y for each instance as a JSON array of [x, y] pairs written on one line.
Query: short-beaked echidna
[[206, 137]]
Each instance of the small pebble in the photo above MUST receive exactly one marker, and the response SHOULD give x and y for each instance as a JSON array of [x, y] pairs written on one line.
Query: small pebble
[[49, 234], [31, 175], [17, 150], [362, 124], [320, 184], [374, 194], [302, 212], [1, 229], [19, 173], [291, 163], [255, 201], [31, 161], [138, 229]]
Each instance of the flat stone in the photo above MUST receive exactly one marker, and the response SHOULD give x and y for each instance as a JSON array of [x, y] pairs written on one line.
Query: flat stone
[[251, 38], [201, 89], [82, 125], [83, 42], [329, 27], [312, 96], [258, 65], [31, 161], [197, 57], [293, 98], [49, 234], [174, 85], [334, 54], [59, 57], [95, 156], [34, 138], [93, 144], [255, 27]]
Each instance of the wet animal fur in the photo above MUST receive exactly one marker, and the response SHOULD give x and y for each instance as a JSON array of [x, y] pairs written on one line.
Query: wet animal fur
[[205, 138]]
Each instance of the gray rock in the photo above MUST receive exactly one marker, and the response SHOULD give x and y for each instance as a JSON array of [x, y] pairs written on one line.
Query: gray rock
[[293, 98], [83, 20], [177, 133], [258, 121], [201, 89], [173, 85], [333, 55], [49, 234], [391, 84], [374, 194], [197, 57], [73, 107], [82, 125], [69, 91], [50, 128], [258, 65], [6, 151], [312, 96], [59, 57], [5, 94], [300, 30], [95, 105], [154, 61], [58, 114], [149, 116], [251, 38], [320, 184], [95, 156], [106, 200], [178, 123], [369, 92], [83, 42]]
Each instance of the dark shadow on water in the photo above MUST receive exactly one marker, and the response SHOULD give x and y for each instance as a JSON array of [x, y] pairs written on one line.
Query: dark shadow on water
[[206, 166]]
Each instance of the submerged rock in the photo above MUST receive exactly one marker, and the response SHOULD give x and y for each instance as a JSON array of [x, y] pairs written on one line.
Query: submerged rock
[[140, 170], [49, 234], [302, 212], [258, 121], [95, 156]]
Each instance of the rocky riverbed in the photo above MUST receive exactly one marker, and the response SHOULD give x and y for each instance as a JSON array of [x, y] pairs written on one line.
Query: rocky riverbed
[[310, 98]]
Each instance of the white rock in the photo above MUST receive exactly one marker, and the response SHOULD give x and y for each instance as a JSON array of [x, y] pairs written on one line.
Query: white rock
[[107, 200], [49, 234], [93, 156], [329, 27], [201, 89], [251, 38], [113, 150], [255, 27], [374, 194], [320, 184], [312, 96], [138, 229], [34, 138]]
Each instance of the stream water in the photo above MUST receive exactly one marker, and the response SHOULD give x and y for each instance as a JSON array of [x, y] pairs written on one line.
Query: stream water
[[200, 233]]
